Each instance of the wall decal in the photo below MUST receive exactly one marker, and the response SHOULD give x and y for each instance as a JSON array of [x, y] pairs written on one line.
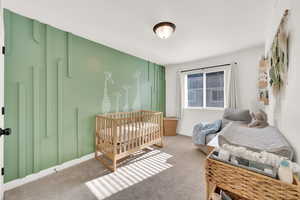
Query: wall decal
[[21, 129], [137, 101], [36, 34], [106, 105], [59, 109], [69, 54], [126, 105], [36, 119], [118, 95], [146, 87], [47, 63]]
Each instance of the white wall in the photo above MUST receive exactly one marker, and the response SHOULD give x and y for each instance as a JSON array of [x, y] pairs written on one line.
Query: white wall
[[247, 71], [284, 110]]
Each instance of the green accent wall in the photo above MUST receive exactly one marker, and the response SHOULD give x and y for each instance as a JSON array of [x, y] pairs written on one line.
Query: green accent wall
[[54, 87]]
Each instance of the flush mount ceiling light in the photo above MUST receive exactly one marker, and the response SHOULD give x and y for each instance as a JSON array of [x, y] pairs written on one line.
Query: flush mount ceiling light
[[164, 30]]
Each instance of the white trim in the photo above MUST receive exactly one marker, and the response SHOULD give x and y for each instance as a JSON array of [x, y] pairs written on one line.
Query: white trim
[[206, 108], [32, 177], [204, 91]]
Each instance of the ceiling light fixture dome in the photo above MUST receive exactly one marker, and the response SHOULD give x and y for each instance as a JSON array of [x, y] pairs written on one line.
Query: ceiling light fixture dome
[[164, 29]]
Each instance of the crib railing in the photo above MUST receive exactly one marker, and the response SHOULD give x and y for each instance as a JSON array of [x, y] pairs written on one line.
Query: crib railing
[[121, 134]]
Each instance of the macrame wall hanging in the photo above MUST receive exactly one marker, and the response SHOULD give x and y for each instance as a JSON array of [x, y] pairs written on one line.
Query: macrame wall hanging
[[278, 57]]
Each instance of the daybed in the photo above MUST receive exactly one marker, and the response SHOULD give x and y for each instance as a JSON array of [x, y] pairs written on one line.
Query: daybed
[[234, 131]]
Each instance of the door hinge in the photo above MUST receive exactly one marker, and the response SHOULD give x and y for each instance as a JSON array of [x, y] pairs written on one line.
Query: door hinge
[[3, 50], [2, 171], [3, 110]]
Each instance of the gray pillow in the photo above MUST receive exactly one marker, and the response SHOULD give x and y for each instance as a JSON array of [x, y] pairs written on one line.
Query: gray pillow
[[237, 115], [231, 114]]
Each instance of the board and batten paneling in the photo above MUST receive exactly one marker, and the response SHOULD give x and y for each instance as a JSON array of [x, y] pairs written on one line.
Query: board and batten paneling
[[54, 87]]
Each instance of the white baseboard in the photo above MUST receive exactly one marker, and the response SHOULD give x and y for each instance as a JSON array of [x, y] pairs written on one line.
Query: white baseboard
[[32, 177], [185, 134]]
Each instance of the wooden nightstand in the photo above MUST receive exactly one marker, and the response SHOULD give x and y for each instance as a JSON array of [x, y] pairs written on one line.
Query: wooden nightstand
[[170, 126]]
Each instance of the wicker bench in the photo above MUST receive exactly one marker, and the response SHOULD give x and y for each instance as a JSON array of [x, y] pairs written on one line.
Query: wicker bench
[[246, 184]]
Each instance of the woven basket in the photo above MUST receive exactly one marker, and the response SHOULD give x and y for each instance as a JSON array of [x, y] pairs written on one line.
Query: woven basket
[[248, 184]]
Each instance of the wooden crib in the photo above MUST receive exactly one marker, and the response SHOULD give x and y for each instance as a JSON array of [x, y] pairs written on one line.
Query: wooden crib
[[119, 135]]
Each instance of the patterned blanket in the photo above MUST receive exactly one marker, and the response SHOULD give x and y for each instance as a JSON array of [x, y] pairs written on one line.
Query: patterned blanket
[[201, 130]]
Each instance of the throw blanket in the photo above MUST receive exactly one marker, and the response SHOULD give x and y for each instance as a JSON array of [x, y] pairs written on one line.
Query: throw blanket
[[267, 139], [201, 130]]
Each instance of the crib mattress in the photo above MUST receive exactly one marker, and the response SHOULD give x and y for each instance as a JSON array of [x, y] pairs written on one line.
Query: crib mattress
[[134, 130]]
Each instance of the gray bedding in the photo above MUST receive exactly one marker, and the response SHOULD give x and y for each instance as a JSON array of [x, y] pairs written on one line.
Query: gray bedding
[[269, 139]]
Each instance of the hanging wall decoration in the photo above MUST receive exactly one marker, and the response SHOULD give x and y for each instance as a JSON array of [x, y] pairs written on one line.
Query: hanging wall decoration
[[106, 104], [263, 81], [126, 105], [137, 101], [278, 57]]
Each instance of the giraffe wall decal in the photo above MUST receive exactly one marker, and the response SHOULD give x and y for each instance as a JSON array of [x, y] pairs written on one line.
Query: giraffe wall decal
[[118, 96], [106, 104], [137, 101], [126, 106]]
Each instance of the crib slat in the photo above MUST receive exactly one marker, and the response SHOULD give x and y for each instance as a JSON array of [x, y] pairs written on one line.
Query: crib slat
[[144, 123], [133, 131], [136, 130], [129, 132], [124, 134], [147, 128], [121, 133], [139, 132], [151, 128], [96, 137], [105, 135], [156, 126], [111, 136]]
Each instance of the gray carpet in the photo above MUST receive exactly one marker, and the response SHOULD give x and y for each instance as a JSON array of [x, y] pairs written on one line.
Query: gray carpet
[[181, 179]]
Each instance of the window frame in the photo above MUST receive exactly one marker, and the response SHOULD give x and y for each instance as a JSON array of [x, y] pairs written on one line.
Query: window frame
[[204, 72]]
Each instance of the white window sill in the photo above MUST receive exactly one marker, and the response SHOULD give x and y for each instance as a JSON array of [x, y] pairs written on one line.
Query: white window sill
[[204, 109]]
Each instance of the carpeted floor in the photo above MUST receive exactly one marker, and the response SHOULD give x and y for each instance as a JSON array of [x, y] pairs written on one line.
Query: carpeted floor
[[177, 174]]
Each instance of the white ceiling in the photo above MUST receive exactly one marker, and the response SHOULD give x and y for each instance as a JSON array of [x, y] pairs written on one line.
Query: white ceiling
[[204, 27]]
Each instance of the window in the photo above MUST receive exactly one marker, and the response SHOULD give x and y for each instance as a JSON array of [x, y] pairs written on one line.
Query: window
[[205, 90], [215, 89], [195, 90]]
